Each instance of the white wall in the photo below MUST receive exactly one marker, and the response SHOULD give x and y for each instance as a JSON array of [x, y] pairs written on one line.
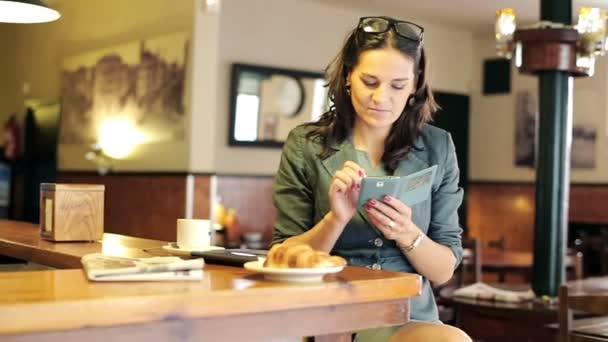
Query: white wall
[[204, 94], [33, 55], [492, 130], [283, 33], [306, 36]]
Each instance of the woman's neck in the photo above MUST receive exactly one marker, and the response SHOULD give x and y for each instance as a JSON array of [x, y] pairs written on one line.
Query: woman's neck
[[371, 141]]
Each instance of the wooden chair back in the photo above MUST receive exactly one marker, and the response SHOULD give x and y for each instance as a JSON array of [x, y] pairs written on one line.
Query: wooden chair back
[[596, 329], [470, 268], [574, 264]]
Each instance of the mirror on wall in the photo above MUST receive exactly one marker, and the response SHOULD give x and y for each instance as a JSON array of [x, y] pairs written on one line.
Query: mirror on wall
[[266, 103]]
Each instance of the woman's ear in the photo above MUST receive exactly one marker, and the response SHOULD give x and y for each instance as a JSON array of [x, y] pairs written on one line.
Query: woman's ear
[[411, 100], [347, 84], [347, 80]]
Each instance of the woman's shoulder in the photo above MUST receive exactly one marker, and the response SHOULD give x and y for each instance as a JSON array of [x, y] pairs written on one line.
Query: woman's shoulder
[[301, 135], [432, 133], [434, 141], [300, 138], [300, 131]]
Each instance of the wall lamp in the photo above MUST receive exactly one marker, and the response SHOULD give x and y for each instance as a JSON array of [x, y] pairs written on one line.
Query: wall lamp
[[103, 162], [553, 46], [26, 12]]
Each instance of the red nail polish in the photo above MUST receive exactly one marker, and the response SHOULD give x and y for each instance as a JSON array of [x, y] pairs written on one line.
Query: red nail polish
[[361, 173], [387, 198], [372, 201]]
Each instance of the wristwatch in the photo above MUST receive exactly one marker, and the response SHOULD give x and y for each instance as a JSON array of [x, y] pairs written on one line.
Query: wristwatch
[[414, 244]]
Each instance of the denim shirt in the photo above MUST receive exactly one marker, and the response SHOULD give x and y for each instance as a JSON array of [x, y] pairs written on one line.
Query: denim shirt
[[300, 194]]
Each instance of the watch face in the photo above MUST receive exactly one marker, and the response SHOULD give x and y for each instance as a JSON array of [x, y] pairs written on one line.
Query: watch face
[[289, 95]]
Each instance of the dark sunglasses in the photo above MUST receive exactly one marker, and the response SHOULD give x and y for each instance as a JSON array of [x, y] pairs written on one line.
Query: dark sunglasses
[[403, 28]]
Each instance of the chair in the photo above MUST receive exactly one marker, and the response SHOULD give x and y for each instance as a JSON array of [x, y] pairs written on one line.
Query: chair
[[574, 264], [468, 272], [499, 244], [594, 246], [586, 329], [470, 268]]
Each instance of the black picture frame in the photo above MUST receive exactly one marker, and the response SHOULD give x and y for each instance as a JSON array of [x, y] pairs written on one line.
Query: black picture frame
[[239, 69]]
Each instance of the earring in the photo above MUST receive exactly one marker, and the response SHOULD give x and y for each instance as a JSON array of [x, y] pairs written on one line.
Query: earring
[[411, 101], [348, 89]]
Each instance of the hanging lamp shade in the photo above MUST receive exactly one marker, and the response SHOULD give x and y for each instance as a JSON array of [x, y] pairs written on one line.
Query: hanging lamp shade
[[26, 12]]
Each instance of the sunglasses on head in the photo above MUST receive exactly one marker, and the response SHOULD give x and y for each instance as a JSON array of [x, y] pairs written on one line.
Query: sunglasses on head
[[403, 28]]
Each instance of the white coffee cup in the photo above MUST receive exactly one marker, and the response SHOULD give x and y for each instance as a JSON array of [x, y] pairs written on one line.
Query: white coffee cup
[[193, 234]]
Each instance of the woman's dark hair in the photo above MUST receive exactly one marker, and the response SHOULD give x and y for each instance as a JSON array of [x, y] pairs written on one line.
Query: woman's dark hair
[[336, 124]]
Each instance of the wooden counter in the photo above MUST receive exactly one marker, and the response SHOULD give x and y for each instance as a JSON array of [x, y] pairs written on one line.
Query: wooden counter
[[229, 304], [22, 240]]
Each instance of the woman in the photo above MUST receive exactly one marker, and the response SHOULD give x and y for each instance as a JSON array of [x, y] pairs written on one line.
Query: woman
[[376, 126]]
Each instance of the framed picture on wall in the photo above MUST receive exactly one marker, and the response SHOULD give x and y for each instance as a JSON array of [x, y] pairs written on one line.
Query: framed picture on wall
[[584, 130], [139, 83], [526, 113]]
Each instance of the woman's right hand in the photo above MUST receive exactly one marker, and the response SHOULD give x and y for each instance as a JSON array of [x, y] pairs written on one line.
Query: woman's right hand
[[344, 191]]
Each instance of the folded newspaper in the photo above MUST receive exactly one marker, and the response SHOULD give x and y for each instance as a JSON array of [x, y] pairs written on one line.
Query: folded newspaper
[[99, 267], [485, 291]]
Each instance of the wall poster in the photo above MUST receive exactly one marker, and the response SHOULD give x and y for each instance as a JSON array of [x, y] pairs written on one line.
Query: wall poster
[[140, 81], [584, 130]]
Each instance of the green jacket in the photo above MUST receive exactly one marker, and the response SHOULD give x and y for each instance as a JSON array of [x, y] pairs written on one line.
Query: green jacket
[[300, 194]]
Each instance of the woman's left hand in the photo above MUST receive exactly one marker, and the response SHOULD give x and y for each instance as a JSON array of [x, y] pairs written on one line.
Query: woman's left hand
[[394, 219]]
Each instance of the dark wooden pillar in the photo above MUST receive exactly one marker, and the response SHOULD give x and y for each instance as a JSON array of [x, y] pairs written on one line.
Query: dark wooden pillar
[[552, 165]]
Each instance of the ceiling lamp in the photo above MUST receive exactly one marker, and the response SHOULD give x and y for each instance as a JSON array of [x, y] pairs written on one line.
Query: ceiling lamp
[[504, 27], [553, 46], [26, 12]]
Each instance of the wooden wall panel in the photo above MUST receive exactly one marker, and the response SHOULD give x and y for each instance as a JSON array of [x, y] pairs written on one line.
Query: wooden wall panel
[[142, 205], [147, 205], [589, 204], [251, 197], [498, 211], [506, 210], [202, 197]]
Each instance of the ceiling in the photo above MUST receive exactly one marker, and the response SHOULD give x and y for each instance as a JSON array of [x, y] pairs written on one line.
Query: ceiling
[[475, 15]]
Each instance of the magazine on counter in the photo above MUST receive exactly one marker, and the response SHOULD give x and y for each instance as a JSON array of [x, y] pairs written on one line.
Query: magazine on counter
[[411, 189], [99, 267]]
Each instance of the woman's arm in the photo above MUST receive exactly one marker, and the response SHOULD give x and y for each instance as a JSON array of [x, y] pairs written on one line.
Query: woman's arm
[[440, 251], [323, 235], [294, 198], [434, 261]]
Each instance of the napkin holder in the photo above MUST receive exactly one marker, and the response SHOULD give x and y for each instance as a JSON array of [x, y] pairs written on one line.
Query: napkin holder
[[71, 212]]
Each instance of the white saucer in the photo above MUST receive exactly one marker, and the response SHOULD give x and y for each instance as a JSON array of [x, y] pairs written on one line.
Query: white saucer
[[291, 274], [173, 248]]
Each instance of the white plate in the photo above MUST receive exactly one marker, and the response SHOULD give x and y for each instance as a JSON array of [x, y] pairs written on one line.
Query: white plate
[[291, 274], [173, 248]]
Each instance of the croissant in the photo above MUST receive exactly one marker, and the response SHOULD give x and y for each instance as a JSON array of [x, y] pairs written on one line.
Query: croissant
[[300, 255]]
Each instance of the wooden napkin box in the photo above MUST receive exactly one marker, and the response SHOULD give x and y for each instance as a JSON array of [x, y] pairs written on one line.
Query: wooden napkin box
[[71, 212]]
